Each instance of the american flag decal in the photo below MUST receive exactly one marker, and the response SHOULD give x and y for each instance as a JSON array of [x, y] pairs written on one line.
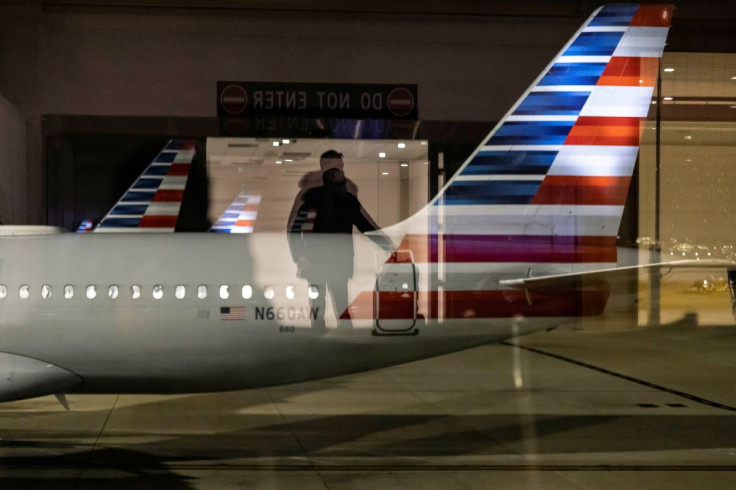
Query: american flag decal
[[232, 313]]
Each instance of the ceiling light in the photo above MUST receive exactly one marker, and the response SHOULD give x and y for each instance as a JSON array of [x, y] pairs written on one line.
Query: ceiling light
[[382, 155], [733, 78], [275, 143], [423, 143], [404, 164], [401, 146], [286, 142], [688, 137], [279, 162], [384, 173], [289, 160], [669, 69], [668, 98]]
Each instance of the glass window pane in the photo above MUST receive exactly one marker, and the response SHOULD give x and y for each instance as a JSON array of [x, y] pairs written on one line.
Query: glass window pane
[[180, 292], [45, 291], [135, 291], [268, 292], [24, 291], [202, 291], [3, 291], [247, 292], [91, 292], [224, 292], [113, 292], [158, 291], [68, 291]]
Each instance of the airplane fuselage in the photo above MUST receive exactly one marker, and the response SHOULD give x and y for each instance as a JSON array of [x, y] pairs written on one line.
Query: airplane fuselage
[[184, 342]]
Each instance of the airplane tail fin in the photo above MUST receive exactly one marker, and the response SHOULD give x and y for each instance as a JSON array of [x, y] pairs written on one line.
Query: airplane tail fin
[[553, 175]]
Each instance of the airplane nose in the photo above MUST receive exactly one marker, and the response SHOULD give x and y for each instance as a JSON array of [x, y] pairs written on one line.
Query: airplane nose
[[24, 377]]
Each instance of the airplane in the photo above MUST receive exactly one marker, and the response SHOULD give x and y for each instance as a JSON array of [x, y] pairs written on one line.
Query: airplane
[[520, 240]]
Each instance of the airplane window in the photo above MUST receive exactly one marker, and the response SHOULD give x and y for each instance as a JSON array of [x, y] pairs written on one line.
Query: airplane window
[[24, 291], [313, 292], [3, 291], [224, 292], [158, 291], [290, 292], [91, 292], [268, 292], [68, 291], [45, 291], [180, 292], [113, 292], [201, 291], [247, 292], [135, 291]]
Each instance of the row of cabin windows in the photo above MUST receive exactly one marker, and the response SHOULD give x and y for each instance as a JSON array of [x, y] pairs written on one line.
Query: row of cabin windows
[[180, 291]]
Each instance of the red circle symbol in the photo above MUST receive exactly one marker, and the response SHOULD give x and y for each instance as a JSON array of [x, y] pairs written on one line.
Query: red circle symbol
[[233, 99], [400, 102]]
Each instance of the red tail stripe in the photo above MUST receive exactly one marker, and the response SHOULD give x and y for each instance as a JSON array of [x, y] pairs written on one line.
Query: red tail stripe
[[615, 131], [158, 222], [165, 195], [480, 304], [573, 189], [630, 72], [653, 16], [510, 248]]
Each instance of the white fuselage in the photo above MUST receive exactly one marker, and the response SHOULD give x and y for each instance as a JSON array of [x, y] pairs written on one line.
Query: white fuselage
[[171, 344]]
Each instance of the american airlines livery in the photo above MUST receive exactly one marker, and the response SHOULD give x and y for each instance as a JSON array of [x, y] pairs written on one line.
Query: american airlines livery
[[521, 239]]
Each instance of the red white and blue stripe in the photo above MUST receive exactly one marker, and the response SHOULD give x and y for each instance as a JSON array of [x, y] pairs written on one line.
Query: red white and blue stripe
[[240, 216], [548, 185], [153, 202]]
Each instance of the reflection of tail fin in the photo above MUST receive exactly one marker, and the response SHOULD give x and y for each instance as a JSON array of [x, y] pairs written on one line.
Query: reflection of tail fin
[[153, 202], [240, 216], [560, 161]]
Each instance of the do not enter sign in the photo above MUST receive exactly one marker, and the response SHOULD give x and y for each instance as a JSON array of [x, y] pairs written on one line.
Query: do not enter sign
[[233, 99]]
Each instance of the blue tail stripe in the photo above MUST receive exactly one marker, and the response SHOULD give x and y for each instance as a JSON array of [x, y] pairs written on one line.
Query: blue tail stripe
[[137, 197], [129, 209], [119, 223], [512, 162], [552, 103], [165, 157], [573, 74], [614, 15], [594, 44], [532, 133]]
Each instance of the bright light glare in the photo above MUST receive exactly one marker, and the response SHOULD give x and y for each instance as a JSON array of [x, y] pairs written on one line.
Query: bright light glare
[[401, 146], [669, 69], [404, 164], [276, 143], [382, 155]]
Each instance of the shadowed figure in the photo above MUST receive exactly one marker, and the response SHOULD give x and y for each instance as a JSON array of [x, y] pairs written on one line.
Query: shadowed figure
[[328, 263]]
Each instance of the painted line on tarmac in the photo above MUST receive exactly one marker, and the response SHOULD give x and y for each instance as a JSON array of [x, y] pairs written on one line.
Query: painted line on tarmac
[[688, 396]]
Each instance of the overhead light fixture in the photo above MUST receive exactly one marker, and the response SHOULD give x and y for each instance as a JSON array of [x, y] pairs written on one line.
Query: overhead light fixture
[[384, 173], [669, 69], [288, 160], [688, 137], [279, 162], [382, 155], [404, 164], [668, 98], [275, 143], [286, 142], [401, 146]]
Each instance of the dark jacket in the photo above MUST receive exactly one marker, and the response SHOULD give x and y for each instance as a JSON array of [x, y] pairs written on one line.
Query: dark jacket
[[326, 209]]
